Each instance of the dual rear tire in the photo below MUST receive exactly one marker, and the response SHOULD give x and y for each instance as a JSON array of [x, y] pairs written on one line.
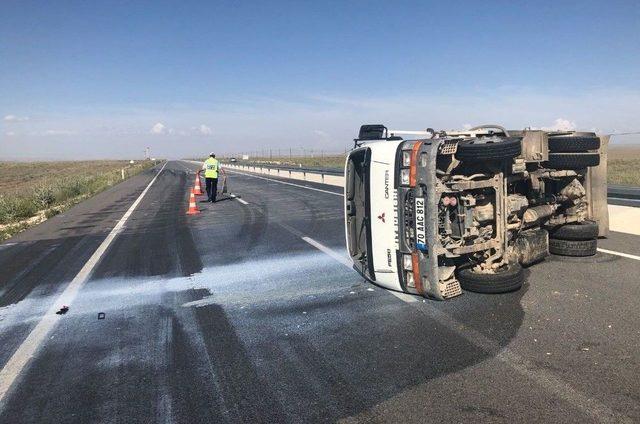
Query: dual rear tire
[[573, 151], [577, 240]]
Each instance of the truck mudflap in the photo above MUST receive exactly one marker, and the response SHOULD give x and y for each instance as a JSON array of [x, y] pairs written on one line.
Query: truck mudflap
[[436, 283]]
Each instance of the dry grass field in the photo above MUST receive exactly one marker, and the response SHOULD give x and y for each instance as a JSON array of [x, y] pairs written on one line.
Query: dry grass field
[[22, 177], [624, 165], [33, 191], [333, 161]]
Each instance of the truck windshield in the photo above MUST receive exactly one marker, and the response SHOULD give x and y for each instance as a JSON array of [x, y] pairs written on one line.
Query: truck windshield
[[357, 209]]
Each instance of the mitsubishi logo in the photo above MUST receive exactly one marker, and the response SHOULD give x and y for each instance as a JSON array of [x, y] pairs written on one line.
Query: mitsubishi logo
[[381, 217]]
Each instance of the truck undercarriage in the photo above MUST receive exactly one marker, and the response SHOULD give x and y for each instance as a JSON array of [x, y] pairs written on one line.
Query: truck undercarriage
[[472, 207]]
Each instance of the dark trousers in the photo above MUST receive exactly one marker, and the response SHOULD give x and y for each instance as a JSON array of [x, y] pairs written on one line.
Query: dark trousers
[[212, 188]]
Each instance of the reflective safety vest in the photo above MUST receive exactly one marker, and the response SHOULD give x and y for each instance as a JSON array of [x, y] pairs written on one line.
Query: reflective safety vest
[[211, 168]]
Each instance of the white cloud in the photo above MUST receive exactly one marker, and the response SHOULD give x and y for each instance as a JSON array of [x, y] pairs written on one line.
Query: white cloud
[[9, 133], [14, 118], [159, 128], [58, 132], [561, 124], [204, 130], [322, 134]]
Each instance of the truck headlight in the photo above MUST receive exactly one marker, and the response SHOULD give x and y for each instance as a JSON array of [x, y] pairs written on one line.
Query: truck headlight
[[406, 158], [404, 176], [410, 280], [407, 264]]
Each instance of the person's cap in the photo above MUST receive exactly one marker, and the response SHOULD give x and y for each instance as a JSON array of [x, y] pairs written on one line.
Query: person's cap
[[211, 154]]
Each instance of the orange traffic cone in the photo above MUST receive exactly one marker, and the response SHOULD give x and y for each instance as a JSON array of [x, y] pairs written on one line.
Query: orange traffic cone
[[197, 190], [193, 208]]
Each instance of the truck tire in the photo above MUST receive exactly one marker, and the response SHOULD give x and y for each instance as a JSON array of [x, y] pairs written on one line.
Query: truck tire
[[586, 230], [572, 160], [508, 280], [479, 149], [573, 247], [569, 144]]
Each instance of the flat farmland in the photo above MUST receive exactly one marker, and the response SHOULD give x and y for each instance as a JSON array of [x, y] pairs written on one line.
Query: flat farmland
[[20, 177], [33, 191], [624, 165]]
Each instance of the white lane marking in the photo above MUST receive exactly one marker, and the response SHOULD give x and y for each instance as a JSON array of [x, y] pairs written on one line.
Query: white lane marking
[[407, 298], [284, 182], [30, 345], [342, 259], [624, 255], [239, 199], [347, 262], [184, 166], [338, 257]]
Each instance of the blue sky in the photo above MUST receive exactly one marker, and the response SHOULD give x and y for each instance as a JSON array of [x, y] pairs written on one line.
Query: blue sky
[[104, 79]]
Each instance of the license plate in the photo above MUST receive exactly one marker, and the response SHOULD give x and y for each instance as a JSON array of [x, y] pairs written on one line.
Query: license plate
[[421, 237]]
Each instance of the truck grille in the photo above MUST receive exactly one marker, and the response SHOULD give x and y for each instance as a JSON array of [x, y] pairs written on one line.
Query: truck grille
[[452, 289], [409, 219]]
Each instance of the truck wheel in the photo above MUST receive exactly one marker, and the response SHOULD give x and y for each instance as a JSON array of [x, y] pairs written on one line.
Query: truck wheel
[[573, 247], [586, 230], [508, 279], [480, 149], [568, 144], [572, 160]]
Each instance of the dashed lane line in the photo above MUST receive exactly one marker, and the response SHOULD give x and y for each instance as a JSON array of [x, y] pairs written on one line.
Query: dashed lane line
[[244, 202], [21, 357], [185, 167], [341, 259], [347, 262], [338, 257]]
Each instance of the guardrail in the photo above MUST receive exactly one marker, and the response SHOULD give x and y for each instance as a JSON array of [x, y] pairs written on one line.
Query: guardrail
[[623, 192], [310, 174], [326, 171], [323, 176]]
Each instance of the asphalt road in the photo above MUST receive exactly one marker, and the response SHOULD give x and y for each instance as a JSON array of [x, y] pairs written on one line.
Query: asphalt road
[[248, 312]]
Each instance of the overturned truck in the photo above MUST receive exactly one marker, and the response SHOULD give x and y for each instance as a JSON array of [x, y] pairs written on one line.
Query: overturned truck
[[453, 210]]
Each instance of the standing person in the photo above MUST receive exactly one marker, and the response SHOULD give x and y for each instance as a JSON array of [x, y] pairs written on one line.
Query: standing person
[[211, 167]]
